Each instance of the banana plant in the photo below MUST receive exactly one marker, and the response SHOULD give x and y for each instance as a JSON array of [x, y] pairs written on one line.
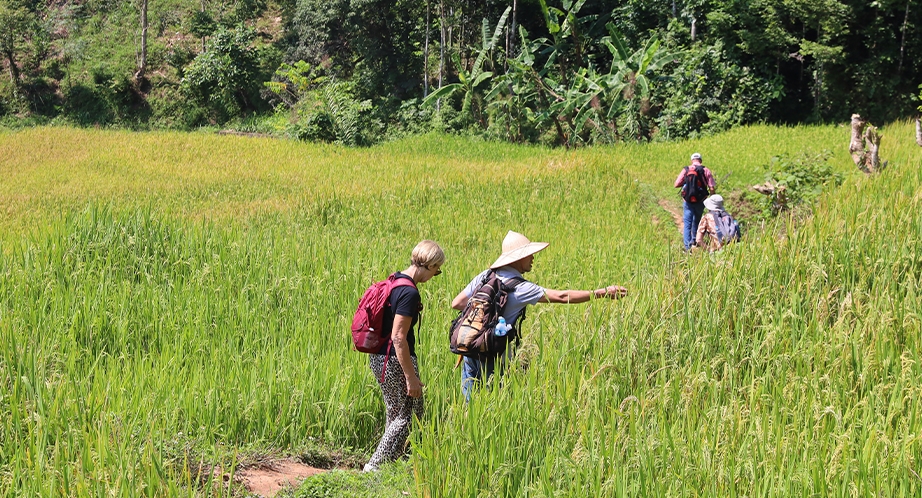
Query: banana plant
[[471, 80], [627, 86], [628, 74]]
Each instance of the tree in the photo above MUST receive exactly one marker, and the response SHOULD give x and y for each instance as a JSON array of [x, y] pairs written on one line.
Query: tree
[[629, 81], [226, 77], [471, 80], [16, 22], [142, 60]]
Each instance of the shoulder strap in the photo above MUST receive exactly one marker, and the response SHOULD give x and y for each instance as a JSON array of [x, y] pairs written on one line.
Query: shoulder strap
[[514, 282], [401, 281]]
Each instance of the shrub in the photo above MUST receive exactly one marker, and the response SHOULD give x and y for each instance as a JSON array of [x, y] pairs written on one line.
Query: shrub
[[225, 77], [796, 181], [108, 97], [331, 113]]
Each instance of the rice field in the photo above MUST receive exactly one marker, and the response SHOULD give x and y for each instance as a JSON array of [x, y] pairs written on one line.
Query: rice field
[[174, 302]]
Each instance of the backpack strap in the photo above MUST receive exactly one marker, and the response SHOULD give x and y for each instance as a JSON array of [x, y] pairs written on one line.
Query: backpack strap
[[401, 281], [511, 285], [394, 281]]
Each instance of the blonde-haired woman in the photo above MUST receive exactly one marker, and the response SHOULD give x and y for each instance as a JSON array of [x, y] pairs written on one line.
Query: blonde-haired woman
[[399, 380]]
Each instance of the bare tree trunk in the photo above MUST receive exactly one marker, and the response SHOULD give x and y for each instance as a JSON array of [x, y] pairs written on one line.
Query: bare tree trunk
[[441, 40], [426, 54], [510, 36], [203, 38], [872, 138], [919, 132], [13, 68], [899, 68], [865, 145], [142, 62], [443, 34]]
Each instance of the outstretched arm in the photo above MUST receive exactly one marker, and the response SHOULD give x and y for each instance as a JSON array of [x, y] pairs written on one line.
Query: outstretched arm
[[460, 301], [581, 296]]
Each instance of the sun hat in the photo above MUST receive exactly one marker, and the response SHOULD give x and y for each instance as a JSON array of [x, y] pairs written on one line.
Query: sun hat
[[714, 203], [696, 156], [515, 247]]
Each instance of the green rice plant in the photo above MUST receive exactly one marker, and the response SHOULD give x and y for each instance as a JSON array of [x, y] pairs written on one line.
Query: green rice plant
[[170, 303]]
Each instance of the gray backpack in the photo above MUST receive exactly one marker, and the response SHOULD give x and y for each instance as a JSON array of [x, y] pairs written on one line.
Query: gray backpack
[[728, 230]]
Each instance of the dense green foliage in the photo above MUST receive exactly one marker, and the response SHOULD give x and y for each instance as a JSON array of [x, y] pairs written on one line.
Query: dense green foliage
[[564, 72], [798, 180], [164, 310]]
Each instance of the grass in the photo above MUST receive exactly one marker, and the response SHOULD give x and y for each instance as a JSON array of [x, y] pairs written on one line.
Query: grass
[[169, 302]]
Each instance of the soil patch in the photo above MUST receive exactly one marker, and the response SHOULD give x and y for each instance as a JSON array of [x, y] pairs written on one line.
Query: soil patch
[[269, 477]]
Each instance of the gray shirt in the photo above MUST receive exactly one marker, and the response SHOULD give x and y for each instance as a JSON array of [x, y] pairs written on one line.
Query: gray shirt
[[523, 295]]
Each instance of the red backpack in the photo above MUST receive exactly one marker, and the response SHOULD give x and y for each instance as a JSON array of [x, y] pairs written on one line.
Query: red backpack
[[695, 189], [367, 335]]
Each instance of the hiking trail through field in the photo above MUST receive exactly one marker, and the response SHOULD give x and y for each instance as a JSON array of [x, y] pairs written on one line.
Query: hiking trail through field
[[267, 478], [676, 214]]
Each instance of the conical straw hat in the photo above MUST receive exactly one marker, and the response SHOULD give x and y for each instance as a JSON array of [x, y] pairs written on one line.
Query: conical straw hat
[[515, 247]]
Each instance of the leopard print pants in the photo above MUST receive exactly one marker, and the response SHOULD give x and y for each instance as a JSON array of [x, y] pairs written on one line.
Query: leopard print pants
[[400, 409]]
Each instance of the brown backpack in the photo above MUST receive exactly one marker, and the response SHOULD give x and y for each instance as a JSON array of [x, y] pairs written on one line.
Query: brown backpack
[[472, 333]]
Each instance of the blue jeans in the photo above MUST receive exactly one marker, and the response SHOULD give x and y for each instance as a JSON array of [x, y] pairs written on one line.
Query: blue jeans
[[691, 216], [477, 371]]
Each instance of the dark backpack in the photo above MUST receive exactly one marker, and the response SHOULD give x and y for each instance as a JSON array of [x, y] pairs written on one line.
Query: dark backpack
[[472, 332], [728, 230], [695, 189], [367, 335]]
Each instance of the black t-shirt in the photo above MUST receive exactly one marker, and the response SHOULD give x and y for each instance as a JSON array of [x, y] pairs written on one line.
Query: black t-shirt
[[405, 301]]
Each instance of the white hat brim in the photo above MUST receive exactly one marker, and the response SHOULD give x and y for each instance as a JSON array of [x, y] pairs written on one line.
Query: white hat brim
[[518, 253]]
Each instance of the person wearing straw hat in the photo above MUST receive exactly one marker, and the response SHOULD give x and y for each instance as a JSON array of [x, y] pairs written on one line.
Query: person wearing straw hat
[[692, 209], [710, 225], [517, 258]]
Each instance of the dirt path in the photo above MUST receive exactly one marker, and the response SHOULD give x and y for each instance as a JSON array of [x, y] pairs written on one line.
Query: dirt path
[[672, 210], [268, 478]]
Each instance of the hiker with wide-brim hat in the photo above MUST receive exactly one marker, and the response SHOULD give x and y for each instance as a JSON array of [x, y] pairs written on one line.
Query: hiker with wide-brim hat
[[717, 227], [517, 258]]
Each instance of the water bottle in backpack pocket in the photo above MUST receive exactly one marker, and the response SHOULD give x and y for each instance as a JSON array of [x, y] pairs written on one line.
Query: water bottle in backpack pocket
[[501, 328]]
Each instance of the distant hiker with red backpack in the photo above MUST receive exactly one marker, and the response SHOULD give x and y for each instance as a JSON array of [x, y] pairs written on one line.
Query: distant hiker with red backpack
[[697, 183], [397, 304], [480, 313], [717, 225]]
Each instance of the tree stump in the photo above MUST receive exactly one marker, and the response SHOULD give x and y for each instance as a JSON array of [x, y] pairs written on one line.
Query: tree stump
[[864, 145], [777, 193], [919, 132]]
